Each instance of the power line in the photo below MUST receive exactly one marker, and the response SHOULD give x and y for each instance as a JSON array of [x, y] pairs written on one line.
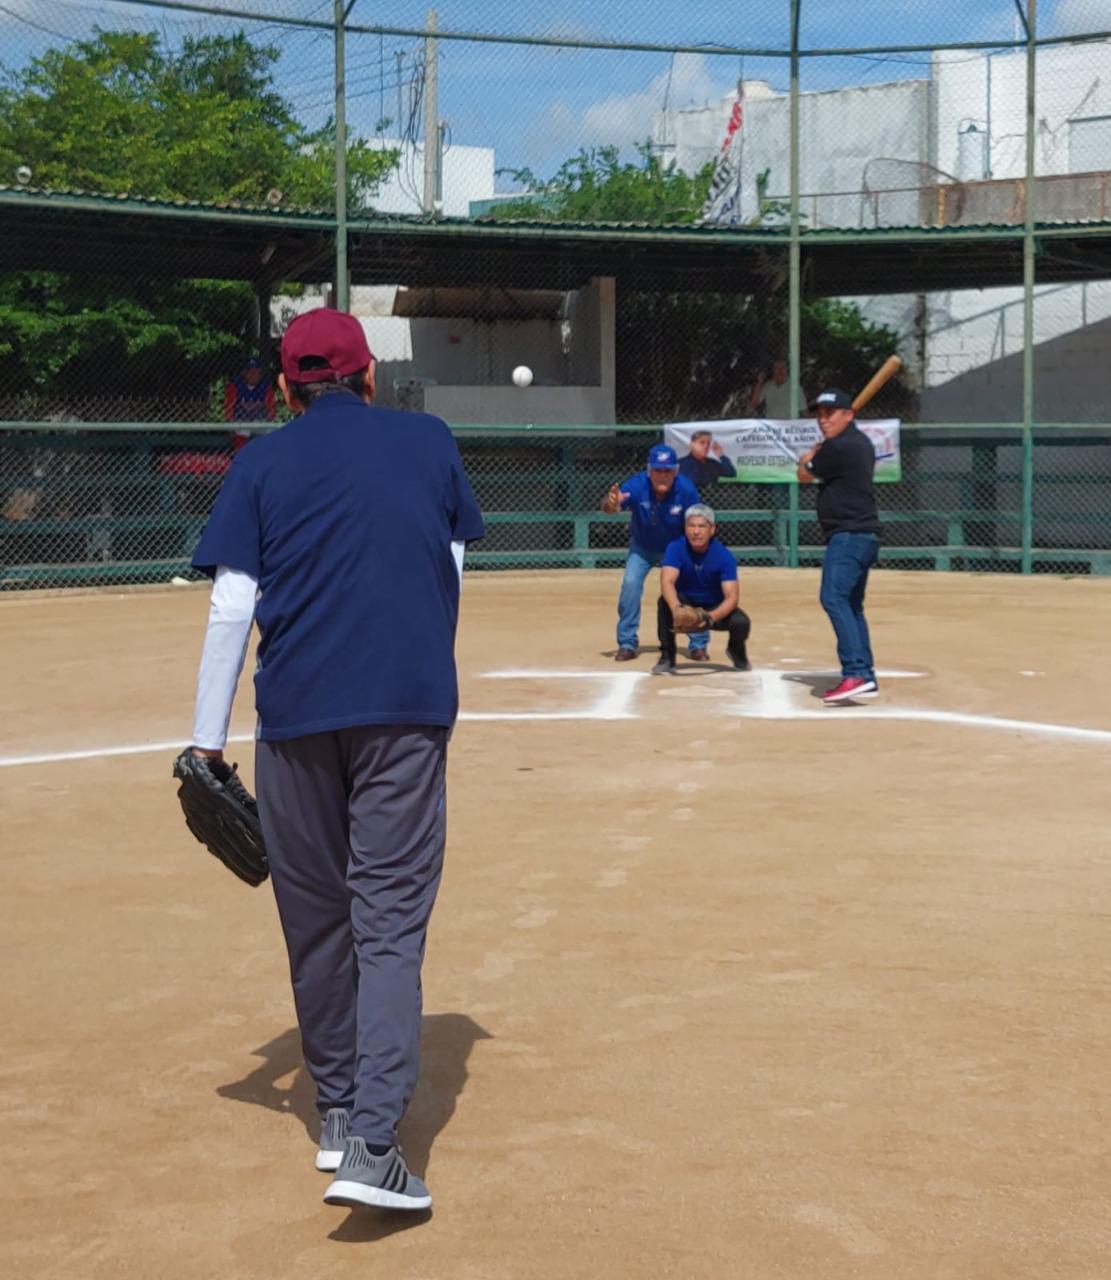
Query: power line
[[19, 17]]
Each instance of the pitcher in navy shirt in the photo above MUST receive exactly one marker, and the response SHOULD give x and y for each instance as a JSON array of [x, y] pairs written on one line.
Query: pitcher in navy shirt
[[658, 499], [325, 533], [697, 569]]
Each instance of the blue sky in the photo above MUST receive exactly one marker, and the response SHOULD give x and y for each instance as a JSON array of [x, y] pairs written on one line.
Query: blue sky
[[536, 105]]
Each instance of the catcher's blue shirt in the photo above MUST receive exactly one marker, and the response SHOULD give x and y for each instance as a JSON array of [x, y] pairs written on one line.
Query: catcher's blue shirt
[[655, 522], [346, 517], [701, 573]]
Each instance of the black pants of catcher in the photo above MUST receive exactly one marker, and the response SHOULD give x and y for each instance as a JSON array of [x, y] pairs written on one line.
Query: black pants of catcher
[[738, 624], [355, 823]]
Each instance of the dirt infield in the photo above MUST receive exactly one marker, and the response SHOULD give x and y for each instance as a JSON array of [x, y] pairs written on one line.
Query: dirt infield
[[721, 983]]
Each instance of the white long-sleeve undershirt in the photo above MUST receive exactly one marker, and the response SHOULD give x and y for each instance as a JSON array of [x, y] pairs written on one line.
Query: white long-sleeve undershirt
[[230, 615]]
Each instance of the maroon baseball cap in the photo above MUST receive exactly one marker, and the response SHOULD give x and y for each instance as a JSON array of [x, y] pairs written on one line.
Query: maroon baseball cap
[[332, 341]]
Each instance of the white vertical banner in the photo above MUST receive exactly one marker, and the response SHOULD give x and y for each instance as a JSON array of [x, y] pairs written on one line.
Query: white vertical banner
[[723, 204]]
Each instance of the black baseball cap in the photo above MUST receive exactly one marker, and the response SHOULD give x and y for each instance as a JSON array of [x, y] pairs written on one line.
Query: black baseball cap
[[831, 398]]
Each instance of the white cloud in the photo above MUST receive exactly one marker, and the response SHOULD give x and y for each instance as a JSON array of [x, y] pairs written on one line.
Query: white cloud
[[1078, 17], [624, 119]]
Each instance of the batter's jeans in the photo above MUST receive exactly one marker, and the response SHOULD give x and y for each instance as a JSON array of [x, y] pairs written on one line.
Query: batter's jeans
[[638, 566], [848, 558], [355, 822]]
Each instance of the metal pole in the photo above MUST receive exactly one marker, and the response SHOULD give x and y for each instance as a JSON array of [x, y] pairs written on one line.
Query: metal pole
[[987, 141], [1029, 277], [794, 285], [342, 292], [400, 131], [431, 116]]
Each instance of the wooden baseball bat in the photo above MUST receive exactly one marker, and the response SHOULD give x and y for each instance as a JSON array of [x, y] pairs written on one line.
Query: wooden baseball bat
[[880, 378]]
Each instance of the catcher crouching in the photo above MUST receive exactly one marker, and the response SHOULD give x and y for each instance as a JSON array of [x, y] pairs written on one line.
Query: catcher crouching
[[699, 591]]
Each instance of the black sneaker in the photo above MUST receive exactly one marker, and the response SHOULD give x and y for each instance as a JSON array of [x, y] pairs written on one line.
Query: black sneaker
[[740, 661]]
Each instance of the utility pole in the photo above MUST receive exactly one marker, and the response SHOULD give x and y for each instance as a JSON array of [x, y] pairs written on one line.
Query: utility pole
[[399, 132], [432, 202]]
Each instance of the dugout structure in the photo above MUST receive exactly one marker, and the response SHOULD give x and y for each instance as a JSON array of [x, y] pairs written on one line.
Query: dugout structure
[[117, 492]]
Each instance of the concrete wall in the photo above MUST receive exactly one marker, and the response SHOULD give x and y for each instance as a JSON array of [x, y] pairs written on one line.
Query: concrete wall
[[460, 368], [974, 362], [510, 404], [842, 130], [468, 175], [581, 385], [1073, 83]]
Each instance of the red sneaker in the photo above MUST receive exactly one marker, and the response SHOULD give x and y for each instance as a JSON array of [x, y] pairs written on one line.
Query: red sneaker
[[851, 688]]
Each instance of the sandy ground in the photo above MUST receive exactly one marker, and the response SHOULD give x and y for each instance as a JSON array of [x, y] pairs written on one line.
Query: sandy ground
[[720, 984]]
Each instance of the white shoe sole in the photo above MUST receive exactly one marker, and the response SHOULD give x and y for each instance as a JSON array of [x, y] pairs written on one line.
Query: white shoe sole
[[329, 1161], [357, 1195]]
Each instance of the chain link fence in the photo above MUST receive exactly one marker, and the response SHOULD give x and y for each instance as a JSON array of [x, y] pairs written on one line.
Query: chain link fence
[[667, 219], [92, 507]]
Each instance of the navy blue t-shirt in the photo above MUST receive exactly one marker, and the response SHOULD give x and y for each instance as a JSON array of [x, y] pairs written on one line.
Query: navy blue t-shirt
[[655, 523], [346, 517], [701, 573]]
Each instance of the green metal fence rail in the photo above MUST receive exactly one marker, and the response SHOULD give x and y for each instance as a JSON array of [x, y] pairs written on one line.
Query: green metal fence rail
[[126, 503]]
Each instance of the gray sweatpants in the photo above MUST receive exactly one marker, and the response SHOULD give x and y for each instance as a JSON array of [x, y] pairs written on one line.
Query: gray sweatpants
[[355, 823]]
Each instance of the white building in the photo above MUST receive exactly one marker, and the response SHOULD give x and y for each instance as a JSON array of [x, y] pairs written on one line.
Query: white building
[[468, 174], [892, 155]]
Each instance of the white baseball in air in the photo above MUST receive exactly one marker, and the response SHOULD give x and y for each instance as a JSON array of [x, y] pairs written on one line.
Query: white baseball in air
[[522, 376]]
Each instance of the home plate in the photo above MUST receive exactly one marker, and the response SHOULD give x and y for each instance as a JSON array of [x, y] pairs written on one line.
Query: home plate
[[691, 690]]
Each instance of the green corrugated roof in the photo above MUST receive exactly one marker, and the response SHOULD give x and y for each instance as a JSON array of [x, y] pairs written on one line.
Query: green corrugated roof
[[372, 220]]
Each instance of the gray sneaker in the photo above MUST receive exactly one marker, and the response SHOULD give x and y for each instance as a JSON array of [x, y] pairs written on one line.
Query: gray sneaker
[[333, 1138], [664, 668], [383, 1182]]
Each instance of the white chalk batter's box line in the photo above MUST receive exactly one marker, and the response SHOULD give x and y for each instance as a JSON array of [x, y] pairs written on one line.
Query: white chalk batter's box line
[[768, 694], [773, 694]]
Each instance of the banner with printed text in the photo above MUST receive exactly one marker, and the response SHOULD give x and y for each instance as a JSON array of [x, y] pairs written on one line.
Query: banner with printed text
[[763, 451]]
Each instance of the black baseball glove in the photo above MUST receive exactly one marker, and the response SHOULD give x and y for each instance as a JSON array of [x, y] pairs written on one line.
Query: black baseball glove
[[222, 814]]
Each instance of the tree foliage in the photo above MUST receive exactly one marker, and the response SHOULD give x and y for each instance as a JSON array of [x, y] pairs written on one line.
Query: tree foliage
[[598, 186], [122, 113]]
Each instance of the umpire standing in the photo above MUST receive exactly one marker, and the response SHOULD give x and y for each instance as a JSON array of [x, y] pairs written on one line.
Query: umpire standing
[[326, 532], [843, 463]]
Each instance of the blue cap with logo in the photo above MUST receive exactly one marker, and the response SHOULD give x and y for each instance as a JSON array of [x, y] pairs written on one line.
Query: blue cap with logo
[[662, 457]]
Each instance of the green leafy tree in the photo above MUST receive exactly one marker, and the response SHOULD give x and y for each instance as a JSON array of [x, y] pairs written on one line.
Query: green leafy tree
[[120, 113], [123, 113], [598, 186]]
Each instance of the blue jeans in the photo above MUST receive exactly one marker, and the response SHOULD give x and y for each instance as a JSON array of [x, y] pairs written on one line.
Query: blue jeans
[[638, 566], [848, 558]]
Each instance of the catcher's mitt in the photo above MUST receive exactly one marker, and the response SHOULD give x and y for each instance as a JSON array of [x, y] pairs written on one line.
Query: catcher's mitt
[[222, 814], [689, 617]]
